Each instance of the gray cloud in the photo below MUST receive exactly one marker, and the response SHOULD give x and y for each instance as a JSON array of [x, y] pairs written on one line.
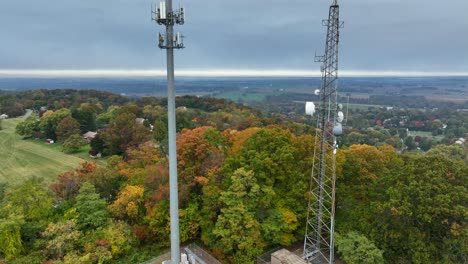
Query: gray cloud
[[417, 35]]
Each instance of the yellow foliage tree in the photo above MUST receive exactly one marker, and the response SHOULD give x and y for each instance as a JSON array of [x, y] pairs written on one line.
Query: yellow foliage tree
[[127, 205]]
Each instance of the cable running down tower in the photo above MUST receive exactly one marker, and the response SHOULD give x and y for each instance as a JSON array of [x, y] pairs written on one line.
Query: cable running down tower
[[319, 237]]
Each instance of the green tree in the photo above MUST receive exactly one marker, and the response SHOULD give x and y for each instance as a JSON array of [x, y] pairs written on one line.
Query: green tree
[[422, 216], [355, 138], [409, 142], [189, 222], [86, 117], [360, 170], [50, 120], [281, 165], [107, 180], [357, 249], [67, 127], [90, 207], [426, 143], [393, 131], [120, 238], [28, 126], [237, 228], [402, 133], [30, 199], [104, 118], [74, 143], [11, 244], [97, 143], [160, 129], [3, 188], [157, 219], [451, 152]]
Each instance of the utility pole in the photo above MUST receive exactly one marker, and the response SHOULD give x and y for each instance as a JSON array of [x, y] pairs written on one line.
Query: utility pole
[[320, 227], [164, 15]]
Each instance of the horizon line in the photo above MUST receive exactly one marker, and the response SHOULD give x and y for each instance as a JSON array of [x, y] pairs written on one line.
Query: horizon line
[[215, 73]]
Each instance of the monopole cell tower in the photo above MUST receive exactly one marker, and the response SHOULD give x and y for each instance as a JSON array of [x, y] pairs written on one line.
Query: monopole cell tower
[[164, 15], [319, 237]]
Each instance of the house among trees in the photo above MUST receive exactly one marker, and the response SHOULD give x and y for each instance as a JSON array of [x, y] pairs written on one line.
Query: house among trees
[[139, 120], [3, 116], [89, 135]]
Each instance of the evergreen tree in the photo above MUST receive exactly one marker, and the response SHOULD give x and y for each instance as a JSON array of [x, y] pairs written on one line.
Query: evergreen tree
[[91, 208]]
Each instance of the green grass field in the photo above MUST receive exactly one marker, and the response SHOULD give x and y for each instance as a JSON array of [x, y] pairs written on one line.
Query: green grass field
[[21, 159]]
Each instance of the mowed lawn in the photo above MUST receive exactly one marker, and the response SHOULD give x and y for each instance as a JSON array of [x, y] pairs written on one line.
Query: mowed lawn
[[21, 159]]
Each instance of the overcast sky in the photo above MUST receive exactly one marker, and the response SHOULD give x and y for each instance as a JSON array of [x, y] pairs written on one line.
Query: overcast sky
[[379, 35]]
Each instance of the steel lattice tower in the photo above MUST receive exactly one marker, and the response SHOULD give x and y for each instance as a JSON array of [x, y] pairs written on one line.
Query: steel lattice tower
[[319, 237]]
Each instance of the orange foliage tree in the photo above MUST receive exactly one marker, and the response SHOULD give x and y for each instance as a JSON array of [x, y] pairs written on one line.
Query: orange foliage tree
[[200, 153]]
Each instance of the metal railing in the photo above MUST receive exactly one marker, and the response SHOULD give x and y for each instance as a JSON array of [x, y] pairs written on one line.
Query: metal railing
[[194, 252]]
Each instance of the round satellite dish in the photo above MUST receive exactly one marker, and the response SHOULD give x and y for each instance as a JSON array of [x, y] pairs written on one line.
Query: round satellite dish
[[340, 106], [317, 92], [340, 117], [337, 129], [310, 108]]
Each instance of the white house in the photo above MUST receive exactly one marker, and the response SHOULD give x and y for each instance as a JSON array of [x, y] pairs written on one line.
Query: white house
[[90, 135], [3, 116]]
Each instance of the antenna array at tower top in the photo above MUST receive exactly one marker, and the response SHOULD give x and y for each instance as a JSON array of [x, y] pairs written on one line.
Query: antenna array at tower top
[[161, 15]]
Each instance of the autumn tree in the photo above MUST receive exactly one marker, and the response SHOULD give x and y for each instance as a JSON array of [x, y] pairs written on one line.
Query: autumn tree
[[122, 133], [360, 169], [67, 186], [128, 204], [199, 152], [237, 139], [279, 166], [120, 238], [62, 237], [67, 127]]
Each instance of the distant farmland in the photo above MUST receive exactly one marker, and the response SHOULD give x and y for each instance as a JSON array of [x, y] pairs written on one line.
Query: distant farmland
[[22, 159]]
